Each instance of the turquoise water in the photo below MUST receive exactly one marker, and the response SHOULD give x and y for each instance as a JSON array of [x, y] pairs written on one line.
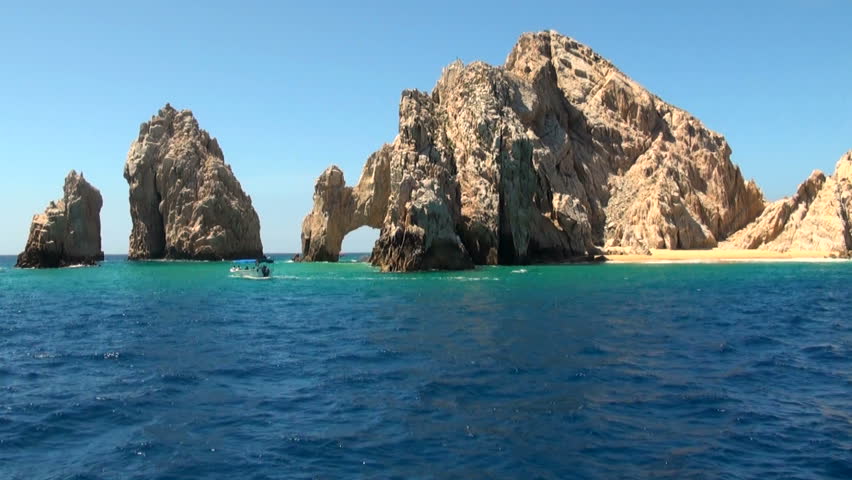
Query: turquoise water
[[175, 370]]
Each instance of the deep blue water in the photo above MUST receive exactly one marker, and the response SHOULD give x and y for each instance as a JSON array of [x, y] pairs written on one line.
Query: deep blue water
[[175, 370]]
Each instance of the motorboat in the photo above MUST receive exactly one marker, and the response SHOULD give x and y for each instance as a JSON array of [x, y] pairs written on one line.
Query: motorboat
[[252, 268]]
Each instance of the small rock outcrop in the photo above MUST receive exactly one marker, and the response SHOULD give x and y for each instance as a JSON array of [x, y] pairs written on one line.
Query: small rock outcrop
[[554, 156], [69, 231], [816, 218], [185, 202]]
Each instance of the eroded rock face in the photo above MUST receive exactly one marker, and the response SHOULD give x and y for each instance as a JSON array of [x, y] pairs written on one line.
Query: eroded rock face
[[185, 202], [816, 218], [553, 156], [69, 231]]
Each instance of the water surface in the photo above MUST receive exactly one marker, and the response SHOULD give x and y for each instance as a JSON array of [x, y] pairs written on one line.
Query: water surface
[[174, 370]]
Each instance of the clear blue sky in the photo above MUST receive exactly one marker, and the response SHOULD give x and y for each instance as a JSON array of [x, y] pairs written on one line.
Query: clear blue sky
[[290, 89]]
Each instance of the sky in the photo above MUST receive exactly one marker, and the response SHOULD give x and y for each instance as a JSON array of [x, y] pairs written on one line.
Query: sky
[[290, 88]]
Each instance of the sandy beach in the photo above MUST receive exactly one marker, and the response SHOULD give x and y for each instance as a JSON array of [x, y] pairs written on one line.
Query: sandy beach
[[717, 255]]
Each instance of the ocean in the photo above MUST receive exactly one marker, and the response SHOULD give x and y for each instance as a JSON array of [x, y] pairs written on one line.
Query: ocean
[[174, 370]]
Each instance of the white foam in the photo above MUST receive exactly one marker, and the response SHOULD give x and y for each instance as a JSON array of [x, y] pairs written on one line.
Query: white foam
[[250, 278], [474, 279]]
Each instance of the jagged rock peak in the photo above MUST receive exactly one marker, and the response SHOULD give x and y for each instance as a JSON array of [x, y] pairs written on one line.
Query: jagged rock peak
[[185, 202], [69, 231], [551, 157], [816, 218]]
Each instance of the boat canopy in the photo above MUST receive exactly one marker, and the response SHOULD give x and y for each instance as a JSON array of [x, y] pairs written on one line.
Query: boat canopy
[[244, 261]]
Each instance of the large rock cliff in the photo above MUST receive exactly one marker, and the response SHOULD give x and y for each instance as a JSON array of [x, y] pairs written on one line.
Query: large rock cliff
[[69, 230], [816, 218], [185, 202], [553, 156]]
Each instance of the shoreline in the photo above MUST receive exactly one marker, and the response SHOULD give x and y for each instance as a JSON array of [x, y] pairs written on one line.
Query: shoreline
[[717, 255]]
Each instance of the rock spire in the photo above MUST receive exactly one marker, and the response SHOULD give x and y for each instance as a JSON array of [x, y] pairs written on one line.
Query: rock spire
[[185, 202]]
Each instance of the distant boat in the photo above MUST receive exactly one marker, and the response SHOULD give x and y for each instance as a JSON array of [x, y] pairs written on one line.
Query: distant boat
[[252, 268]]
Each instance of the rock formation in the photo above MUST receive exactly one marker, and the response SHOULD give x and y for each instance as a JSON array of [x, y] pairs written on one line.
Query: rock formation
[[816, 218], [69, 230], [553, 156], [185, 202]]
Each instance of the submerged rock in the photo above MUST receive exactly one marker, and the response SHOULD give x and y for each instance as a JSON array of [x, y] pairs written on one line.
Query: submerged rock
[[69, 231], [816, 218], [185, 202], [553, 156]]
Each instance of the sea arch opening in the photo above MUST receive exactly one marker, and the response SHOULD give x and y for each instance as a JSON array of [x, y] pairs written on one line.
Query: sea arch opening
[[358, 244]]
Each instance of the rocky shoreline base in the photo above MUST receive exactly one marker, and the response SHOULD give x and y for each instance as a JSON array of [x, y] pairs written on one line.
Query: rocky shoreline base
[[724, 255]]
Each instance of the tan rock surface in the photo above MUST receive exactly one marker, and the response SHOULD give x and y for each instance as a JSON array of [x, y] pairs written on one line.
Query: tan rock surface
[[69, 230], [723, 255], [816, 218], [185, 202], [550, 157]]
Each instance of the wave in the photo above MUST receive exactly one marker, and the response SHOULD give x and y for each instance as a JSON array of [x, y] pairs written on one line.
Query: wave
[[252, 278], [475, 279]]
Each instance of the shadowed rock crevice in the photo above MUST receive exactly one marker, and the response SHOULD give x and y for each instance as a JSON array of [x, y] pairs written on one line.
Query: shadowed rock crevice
[[185, 202], [69, 231], [551, 157]]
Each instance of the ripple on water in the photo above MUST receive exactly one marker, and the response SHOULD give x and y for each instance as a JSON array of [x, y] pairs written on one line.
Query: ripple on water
[[827, 352], [760, 341]]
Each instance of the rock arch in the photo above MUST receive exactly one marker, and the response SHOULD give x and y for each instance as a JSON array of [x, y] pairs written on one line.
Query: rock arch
[[339, 209]]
